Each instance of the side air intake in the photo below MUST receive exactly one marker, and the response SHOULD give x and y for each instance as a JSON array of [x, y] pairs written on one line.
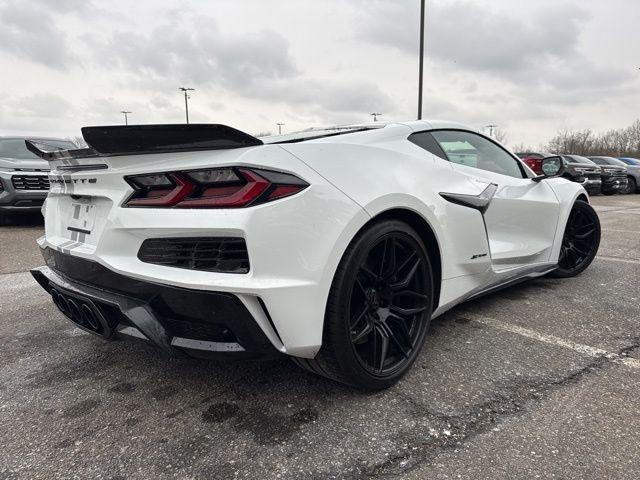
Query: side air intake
[[210, 254]]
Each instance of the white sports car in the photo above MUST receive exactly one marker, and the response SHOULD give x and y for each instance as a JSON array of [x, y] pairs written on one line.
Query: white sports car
[[333, 246]]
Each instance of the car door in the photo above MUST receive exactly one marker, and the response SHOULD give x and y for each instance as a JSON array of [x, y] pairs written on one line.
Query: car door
[[521, 215]]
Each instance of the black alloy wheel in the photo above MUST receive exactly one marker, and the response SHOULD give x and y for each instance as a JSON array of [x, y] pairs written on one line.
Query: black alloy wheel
[[387, 304], [378, 310], [580, 241]]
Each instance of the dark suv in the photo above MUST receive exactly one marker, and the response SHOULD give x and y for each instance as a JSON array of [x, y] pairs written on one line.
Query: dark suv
[[614, 175], [582, 170]]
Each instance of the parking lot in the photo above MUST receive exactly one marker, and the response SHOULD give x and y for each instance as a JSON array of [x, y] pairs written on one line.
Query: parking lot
[[539, 380]]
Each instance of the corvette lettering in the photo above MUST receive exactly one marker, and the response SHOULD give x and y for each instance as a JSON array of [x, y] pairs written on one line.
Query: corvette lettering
[[61, 180]]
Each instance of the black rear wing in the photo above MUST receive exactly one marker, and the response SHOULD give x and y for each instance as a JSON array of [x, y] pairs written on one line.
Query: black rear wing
[[147, 139]]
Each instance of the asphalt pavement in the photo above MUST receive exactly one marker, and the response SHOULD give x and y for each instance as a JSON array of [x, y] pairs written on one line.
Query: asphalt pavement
[[541, 380]]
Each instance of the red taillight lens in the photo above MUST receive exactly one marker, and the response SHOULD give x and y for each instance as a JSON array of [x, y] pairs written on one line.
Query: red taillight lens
[[212, 188]]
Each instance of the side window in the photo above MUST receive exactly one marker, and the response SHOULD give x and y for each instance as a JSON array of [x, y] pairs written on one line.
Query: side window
[[466, 148], [425, 140]]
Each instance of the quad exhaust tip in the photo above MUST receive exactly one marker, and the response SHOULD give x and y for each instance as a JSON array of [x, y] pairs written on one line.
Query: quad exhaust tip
[[82, 313]]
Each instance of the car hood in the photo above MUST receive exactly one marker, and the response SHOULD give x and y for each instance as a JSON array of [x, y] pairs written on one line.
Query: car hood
[[583, 165], [613, 168], [20, 164]]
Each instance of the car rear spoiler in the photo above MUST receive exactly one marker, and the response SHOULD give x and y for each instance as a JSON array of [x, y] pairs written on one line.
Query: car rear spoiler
[[146, 139]]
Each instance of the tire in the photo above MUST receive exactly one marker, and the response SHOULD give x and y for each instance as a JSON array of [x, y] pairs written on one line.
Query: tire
[[580, 241], [632, 186], [374, 297]]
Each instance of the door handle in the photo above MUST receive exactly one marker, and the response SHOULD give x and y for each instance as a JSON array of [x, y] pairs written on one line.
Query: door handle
[[479, 202]]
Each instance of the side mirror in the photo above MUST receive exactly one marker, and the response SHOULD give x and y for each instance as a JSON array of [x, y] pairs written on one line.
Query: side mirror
[[551, 167]]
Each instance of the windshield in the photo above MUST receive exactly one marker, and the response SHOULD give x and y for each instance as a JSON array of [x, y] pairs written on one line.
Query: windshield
[[16, 148], [608, 161], [630, 161]]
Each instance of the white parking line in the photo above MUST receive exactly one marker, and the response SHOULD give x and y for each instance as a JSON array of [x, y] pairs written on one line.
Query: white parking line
[[607, 230], [618, 259], [557, 341]]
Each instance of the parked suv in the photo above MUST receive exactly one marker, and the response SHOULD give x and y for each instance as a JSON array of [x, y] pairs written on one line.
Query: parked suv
[[582, 170], [614, 175], [633, 174], [24, 181]]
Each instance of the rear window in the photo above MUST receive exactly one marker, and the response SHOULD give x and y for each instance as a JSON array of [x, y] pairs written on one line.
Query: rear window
[[15, 147]]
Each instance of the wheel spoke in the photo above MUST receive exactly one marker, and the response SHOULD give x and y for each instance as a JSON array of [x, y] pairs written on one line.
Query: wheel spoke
[[384, 257], [360, 317], [355, 338], [372, 276], [407, 261], [380, 347], [407, 311], [361, 287], [402, 326], [404, 283], [409, 293], [391, 255], [582, 236]]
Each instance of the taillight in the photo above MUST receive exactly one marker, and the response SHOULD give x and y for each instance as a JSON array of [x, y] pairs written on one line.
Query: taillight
[[534, 164], [231, 187]]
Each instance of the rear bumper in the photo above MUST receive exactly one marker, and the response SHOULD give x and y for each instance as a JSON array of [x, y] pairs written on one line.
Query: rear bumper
[[177, 320], [592, 185]]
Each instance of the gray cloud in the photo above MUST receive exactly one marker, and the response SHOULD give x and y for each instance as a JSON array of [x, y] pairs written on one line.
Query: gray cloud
[[42, 105], [29, 32], [254, 66], [200, 53], [541, 48]]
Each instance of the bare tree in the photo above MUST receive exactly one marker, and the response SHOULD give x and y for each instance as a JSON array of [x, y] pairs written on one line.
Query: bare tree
[[79, 141], [621, 142], [500, 134]]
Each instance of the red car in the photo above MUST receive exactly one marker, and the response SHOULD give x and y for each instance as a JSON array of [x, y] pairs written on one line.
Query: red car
[[533, 160]]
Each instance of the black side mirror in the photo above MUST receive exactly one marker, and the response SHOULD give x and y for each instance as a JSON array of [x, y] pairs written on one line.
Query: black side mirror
[[551, 167]]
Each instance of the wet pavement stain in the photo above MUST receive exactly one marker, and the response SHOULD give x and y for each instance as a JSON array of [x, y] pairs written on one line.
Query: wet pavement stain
[[220, 412], [123, 387], [81, 408]]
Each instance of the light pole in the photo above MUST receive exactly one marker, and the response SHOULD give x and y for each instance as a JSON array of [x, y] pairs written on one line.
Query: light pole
[[280, 125], [126, 119], [375, 116], [421, 63], [186, 100], [491, 127]]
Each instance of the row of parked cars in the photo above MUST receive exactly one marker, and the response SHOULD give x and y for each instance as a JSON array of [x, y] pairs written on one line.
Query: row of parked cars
[[598, 174]]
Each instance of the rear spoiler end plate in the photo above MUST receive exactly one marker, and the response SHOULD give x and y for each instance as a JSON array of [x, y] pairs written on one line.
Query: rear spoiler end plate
[[149, 139]]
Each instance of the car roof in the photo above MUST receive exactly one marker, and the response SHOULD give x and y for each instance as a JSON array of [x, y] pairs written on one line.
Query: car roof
[[336, 130], [34, 137]]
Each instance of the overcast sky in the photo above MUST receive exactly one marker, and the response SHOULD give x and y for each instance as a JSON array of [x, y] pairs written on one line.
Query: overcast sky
[[532, 67]]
